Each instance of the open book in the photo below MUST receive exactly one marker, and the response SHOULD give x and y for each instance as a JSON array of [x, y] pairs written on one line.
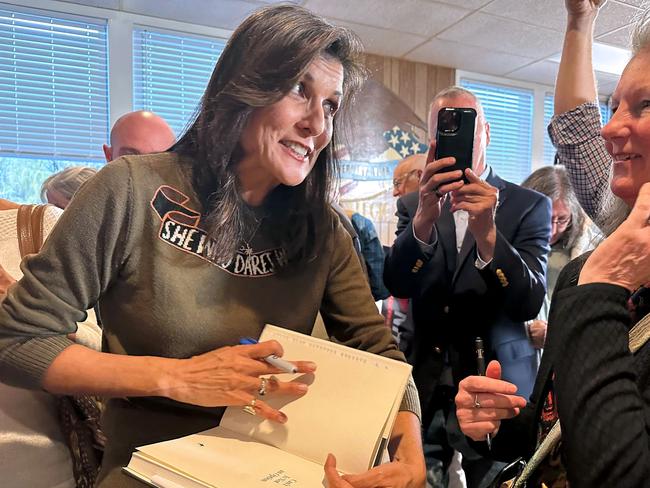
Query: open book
[[350, 409]]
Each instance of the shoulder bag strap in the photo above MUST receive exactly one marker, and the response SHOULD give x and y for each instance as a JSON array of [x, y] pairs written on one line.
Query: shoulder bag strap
[[37, 226], [639, 335], [29, 226], [24, 230]]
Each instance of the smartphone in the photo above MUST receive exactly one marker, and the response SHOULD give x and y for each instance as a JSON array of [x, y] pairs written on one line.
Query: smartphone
[[455, 137]]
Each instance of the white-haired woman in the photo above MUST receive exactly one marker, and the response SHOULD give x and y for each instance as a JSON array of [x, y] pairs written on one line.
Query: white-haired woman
[[59, 188], [589, 379]]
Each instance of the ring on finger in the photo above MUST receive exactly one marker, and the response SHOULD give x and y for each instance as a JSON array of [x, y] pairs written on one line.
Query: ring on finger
[[438, 193], [262, 389], [477, 404], [250, 407]]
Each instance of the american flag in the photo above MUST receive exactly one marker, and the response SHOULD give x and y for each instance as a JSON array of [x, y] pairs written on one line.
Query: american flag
[[405, 143]]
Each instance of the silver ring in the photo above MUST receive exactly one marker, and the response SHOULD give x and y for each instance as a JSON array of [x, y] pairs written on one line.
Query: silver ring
[[262, 390], [477, 404], [250, 408]]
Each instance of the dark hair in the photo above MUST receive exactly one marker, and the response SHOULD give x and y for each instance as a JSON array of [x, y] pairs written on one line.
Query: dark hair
[[553, 181], [265, 57]]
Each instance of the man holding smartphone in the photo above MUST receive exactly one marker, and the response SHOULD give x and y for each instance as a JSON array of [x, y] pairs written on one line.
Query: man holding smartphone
[[471, 254]]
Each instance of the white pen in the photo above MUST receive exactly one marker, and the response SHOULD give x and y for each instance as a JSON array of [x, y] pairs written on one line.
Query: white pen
[[273, 360]]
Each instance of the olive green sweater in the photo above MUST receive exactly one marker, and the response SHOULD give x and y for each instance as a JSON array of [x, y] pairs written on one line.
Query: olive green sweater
[[131, 242]]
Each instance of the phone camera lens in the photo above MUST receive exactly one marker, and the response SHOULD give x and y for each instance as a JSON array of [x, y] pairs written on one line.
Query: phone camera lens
[[448, 120]]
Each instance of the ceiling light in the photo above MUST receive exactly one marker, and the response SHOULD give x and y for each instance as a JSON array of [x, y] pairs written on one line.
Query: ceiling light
[[606, 58]]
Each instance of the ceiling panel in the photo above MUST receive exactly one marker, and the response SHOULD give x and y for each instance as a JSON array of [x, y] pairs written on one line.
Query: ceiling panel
[[636, 3], [419, 17], [613, 16], [109, 4], [543, 72], [504, 35], [552, 14], [619, 37], [471, 58], [382, 41], [226, 14], [511, 37], [470, 4], [547, 13]]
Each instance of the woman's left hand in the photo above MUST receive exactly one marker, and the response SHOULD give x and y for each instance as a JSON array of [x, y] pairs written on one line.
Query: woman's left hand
[[623, 258], [396, 474], [407, 470], [332, 476]]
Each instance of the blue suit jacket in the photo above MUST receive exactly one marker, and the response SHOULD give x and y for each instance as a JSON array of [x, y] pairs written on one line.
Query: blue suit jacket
[[454, 302]]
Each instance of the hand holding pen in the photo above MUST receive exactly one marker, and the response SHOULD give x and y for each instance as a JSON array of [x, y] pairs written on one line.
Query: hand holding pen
[[480, 366], [482, 402], [275, 361], [232, 376]]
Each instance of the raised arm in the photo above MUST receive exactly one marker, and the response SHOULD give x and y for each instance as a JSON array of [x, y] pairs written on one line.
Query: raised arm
[[575, 128], [576, 83]]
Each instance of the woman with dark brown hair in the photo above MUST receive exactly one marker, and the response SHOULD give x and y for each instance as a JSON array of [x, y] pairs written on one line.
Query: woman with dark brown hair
[[186, 252]]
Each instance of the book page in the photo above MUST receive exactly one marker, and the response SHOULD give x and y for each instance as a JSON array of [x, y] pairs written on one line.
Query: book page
[[349, 404], [221, 458]]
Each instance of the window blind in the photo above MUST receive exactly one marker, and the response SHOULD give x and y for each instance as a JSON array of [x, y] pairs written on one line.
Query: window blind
[[53, 86], [170, 73], [509, 111]]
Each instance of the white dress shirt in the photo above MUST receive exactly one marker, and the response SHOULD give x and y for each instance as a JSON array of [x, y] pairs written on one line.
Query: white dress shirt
[[461, 221]]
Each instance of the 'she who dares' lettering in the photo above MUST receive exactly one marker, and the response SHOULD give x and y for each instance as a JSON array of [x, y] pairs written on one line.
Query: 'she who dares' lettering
[[179, 228]]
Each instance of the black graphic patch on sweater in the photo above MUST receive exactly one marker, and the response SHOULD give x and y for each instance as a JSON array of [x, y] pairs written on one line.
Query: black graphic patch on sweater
[[180, 228]]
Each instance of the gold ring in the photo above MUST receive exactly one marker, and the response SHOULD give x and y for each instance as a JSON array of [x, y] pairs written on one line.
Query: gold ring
[[250, 408], [262, 390]]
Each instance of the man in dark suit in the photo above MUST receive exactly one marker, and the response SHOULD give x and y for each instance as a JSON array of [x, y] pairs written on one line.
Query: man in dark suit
[[472, 257]]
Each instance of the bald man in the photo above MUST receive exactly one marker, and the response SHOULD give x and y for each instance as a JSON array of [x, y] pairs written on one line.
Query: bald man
[[406, 176], [139, 132]]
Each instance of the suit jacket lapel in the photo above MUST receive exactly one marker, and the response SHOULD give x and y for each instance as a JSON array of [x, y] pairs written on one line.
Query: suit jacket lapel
[[494, 180], [465, 251]]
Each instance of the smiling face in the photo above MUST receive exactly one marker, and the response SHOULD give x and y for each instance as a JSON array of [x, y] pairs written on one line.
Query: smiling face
[[627, 135], [281, 142]]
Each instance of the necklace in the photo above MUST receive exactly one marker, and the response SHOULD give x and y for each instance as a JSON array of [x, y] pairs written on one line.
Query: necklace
[[246, 248]]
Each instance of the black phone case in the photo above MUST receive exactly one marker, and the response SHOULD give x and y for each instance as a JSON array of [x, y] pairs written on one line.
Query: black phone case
[[458, 144]]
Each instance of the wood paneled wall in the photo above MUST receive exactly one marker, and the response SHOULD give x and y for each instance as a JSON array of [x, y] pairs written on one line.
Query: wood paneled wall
[[415, 83]]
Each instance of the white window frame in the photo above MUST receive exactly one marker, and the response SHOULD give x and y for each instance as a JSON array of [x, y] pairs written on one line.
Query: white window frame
[[120, 43], [539, 91]]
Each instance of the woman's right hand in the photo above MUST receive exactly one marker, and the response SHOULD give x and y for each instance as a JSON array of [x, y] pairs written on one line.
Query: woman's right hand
[[497, 401], [230, 376]]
